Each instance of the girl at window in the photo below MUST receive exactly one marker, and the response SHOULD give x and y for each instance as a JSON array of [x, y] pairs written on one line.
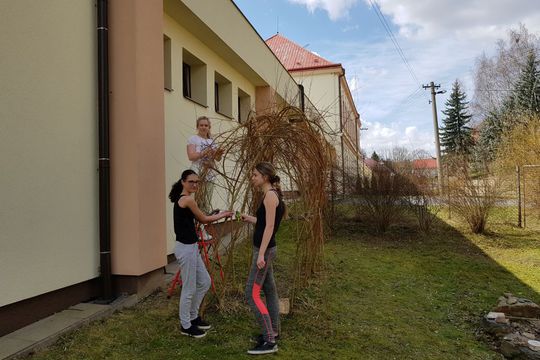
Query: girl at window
[[203, 152]]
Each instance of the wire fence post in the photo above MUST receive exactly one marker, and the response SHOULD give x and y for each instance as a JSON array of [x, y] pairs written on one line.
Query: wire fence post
[[518, 176], [524, 197]]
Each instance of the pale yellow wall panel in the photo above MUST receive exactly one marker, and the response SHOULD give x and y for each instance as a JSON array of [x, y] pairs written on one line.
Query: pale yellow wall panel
[[48, 147]]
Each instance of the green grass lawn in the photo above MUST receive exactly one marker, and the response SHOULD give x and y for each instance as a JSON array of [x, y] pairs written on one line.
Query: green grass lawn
[[404, 295]]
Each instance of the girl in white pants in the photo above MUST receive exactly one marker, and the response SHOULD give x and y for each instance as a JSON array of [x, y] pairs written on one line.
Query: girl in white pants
[[195, 278]]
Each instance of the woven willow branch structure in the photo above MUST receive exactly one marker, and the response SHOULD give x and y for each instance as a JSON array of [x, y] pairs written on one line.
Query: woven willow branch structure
[[297, 146]]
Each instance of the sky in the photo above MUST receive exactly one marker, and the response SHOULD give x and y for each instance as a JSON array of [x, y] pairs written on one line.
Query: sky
[[440, 41]]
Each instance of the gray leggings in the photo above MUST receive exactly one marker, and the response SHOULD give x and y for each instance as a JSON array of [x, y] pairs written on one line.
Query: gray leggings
[[195, 281], [267, 315]]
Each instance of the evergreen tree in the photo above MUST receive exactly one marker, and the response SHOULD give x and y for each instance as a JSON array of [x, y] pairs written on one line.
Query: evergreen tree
[[527, 92], [456, 136], [375, 157]]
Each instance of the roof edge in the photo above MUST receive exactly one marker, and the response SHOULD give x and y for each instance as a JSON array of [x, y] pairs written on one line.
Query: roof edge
[[316, 67]]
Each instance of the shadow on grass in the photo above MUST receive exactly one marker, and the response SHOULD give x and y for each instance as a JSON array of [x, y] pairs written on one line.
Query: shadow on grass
[[401, 295], [426, 293]]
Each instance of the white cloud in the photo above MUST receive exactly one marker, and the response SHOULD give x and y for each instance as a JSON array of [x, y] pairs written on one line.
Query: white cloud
[[383, 137], [428, 19], [393, 106], [350, 28], [336, 8], [440, 39], [410, 131], [353, 84]]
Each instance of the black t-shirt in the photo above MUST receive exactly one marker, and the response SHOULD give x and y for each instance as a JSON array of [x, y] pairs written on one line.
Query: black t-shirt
[[184, 224], [261, 223]]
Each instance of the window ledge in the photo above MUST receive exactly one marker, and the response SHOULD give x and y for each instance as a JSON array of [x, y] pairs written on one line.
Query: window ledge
[[195, 101], [227, 116]]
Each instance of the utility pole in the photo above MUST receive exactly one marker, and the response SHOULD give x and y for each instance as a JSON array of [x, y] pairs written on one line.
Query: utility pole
[[432, 86]]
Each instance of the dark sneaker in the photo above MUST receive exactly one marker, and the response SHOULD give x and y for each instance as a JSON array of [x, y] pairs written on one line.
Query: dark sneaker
[[264, 348], [200, 323], [259, 339], [193, 331]]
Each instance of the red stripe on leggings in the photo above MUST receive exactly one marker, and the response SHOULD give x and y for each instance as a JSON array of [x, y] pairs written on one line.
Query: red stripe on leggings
[[256, 295]]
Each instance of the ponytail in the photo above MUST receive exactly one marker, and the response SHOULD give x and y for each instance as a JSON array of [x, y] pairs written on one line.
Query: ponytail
[[177, 187], [267, 169], [275, 181]]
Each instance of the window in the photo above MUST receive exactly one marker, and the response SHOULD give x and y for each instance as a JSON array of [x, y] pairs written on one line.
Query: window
[[239, 108], [186, 80], [302, 98], [216, 96], [244, 105], [167, 78], [194, 78], [222, 95]]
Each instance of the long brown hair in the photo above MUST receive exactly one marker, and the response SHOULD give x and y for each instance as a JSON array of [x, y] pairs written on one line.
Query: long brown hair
[[267, 169], [177, 187]]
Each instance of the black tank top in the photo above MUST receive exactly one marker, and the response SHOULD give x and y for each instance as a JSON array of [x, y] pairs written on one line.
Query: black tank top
[[261, 223], [184, 224]]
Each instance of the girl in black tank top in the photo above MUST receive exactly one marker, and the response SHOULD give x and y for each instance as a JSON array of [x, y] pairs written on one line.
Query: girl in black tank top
[[260, 225], [184, 224], [195, 278], [261, 275]]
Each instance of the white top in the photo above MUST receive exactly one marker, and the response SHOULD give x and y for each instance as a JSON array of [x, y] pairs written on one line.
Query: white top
[[200, 145]]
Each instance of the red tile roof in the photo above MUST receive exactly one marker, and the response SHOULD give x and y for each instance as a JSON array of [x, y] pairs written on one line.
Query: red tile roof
[[376, 165], [294, 57], [425, 164], [370, 163]]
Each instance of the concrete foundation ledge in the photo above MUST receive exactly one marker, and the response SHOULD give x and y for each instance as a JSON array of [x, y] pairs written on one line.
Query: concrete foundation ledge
[[46, 332]]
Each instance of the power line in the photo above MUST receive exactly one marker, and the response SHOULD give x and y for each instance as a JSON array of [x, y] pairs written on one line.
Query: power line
[[490, 90], [410, 97], [394, 40]]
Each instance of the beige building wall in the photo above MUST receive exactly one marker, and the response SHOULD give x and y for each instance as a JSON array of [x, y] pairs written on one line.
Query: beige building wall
[[350, 121], [48, 147], [181, 113], [241, 45], [321, 87], [226, 45]]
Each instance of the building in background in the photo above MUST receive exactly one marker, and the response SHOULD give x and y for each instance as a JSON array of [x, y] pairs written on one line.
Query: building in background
[[325, 84]]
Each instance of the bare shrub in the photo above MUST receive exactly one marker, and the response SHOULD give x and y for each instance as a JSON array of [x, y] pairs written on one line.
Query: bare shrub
[[425, 212], [381, 200], [416, 185], [421, 203], [397, 187], [473, 199]]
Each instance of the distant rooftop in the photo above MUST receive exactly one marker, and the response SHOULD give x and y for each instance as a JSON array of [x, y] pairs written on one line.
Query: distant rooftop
[[295, 57], [425, 163]]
